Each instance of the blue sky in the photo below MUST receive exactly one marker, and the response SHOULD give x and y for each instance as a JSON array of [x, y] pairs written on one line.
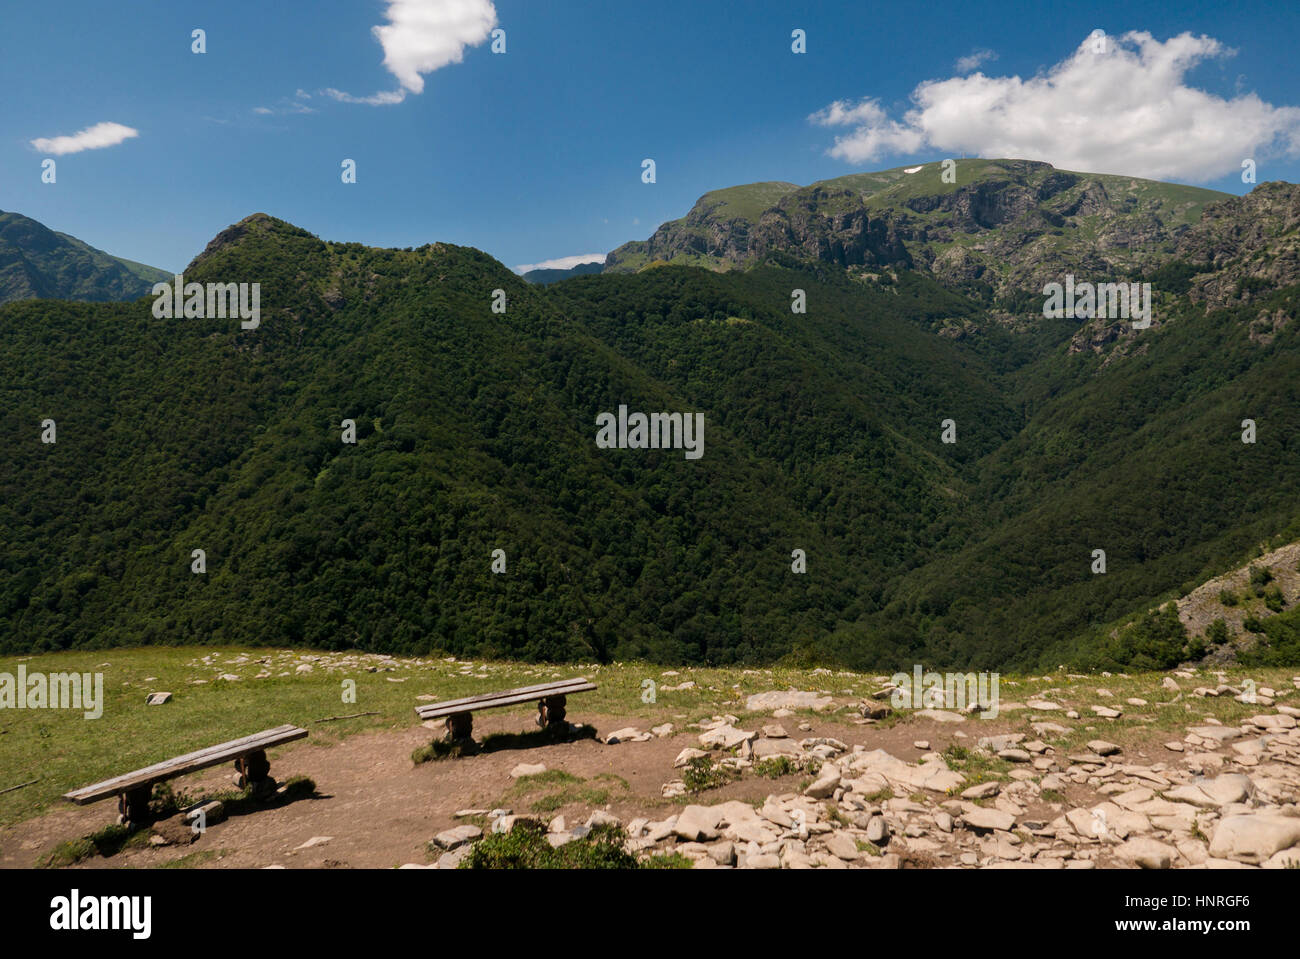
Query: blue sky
[[535, 154]]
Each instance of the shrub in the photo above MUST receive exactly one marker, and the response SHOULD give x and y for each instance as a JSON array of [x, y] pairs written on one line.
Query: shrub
[[525, 847], [1227, 597], [701, 774], [1218, 633]]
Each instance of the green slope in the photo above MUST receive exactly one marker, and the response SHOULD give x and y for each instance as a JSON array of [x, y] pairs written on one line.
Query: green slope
[[38, 262]]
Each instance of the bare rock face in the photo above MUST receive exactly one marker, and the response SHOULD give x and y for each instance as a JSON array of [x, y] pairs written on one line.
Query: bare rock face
[[1246, 246], [828, 225]]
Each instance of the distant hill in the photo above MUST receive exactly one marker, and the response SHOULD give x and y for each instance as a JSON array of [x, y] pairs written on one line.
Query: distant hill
[[37, 262], [552, 276]]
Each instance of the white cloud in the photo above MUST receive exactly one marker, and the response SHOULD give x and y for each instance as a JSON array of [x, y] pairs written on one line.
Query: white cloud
[[422, 36], [973, 59], [1126, 110], [562, 263], [92, 138], [384, 98]]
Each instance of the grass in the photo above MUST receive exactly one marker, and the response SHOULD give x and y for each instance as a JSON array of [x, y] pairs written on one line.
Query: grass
[[776, 767], [976, 765], [106, 842], [670, 860], [562, 789], [63, 750]]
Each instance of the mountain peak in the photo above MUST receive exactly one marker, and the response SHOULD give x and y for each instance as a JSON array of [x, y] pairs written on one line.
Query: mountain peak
[[256, 230]]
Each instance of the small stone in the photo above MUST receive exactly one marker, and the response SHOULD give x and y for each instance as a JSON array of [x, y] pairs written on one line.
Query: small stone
[[1103, 748], [458, 836], [157, 699], [988, 819], [686, 755], [527, 769], [698, 823], [982, 791], [1146, 853], [825, 784], [877, 830], [842, 846]]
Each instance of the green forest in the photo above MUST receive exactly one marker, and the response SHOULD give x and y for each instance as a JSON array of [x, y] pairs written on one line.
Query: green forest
[[475, 432]]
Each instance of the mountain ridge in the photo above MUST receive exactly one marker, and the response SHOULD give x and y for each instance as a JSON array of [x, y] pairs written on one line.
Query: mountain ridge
[[36, 261]]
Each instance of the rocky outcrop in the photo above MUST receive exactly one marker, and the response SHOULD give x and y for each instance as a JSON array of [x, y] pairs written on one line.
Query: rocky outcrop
[[815, 223], [832, 226]]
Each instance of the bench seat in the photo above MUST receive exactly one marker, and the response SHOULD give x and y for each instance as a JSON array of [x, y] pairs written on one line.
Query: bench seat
[[137, 784]]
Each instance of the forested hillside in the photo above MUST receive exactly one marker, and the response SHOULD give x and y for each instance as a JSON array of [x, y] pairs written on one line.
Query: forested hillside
[[476, 432]]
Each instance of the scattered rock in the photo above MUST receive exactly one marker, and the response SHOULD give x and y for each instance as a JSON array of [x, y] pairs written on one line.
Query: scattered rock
[[1254, 839], [790, 699], [1146, 853]]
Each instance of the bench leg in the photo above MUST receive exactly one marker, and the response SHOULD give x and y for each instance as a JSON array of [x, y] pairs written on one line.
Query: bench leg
[[133, 806], [254, 772], [460, 726], [550, 711]]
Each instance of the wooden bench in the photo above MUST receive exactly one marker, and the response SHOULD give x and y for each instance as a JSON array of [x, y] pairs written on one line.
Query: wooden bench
[[550, 699], [134, 789]]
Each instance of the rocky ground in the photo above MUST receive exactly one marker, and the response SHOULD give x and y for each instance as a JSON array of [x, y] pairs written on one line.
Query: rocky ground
[[1226, 797], [754, 768]]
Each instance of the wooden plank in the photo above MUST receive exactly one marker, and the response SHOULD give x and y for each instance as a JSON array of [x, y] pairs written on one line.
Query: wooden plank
[[506, 697], [435, 711], [190, 762], [495, 700], [543, 689]]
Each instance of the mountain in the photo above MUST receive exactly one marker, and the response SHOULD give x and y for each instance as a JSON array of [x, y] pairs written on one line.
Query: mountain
[[37, 262], [1000, 229], [554, 276], [824, 433]]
